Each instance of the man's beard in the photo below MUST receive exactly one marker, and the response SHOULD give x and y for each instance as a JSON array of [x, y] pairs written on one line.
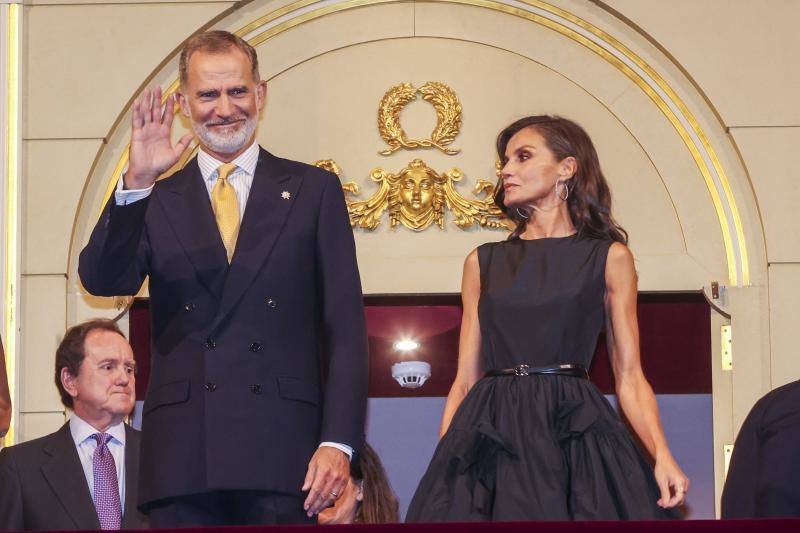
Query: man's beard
[[226, 143]]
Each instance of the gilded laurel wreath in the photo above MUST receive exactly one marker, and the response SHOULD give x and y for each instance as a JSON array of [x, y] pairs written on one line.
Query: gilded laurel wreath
[[448, 117]]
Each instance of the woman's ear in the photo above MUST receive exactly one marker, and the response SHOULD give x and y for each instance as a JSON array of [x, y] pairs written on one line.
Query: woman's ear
[[568, 167]]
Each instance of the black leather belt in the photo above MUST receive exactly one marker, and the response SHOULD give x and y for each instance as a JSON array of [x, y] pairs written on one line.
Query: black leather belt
[[570, 369]]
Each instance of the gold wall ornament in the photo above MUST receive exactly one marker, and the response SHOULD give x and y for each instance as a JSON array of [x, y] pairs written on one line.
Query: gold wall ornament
[[448, 117], [416, 197]]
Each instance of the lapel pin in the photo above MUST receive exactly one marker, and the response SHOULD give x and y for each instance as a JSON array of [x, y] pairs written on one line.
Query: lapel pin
[[286, 195]]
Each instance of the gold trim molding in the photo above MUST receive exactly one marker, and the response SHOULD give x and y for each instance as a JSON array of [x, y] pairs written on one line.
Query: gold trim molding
[[416, 197], [11, 19], [595, 39]]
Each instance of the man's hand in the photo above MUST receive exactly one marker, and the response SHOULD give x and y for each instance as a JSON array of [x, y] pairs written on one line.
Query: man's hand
[[151, 150], [327, 476]]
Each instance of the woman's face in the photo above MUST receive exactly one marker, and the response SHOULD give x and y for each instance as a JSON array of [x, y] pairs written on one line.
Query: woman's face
[[345, 508], [531, 171]]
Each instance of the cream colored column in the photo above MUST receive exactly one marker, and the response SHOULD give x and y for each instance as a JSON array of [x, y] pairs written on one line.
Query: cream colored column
[[774, 170], [722, 385], [10, 150]]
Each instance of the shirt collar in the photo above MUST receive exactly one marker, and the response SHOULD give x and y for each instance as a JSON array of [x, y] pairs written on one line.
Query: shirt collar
[[82, 430], [246, 161]]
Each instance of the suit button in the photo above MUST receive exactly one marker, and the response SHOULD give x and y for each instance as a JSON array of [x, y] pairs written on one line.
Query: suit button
[[255, 347], [256, 389], [189, 307], [210, 387], [272, 304], [210, 344]]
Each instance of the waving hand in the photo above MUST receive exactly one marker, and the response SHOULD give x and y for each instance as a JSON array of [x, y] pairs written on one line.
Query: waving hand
[[152, 152]]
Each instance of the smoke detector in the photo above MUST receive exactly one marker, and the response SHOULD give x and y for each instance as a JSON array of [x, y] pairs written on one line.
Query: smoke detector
[[411, 374]]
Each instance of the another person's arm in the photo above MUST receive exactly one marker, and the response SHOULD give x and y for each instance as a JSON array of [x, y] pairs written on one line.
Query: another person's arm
[[741, 483], [114, 262], [345, 341], [5, 396], [12, 515], [469, 345], [633, 391]]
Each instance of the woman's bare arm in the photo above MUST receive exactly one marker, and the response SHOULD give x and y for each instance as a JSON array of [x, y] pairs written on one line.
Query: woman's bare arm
[[633, 391], [469, 365]]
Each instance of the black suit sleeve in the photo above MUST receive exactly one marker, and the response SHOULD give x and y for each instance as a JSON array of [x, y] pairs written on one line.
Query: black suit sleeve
[[777, 493], [344, 329], [115, 261], [739, 493], [12, 517]]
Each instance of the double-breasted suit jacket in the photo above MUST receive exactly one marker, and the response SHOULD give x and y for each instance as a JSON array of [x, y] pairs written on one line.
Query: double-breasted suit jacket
[[236, 398], [43, 487]]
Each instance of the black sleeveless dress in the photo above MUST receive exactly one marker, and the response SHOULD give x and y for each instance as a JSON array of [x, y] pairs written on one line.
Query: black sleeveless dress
[[538, 447]]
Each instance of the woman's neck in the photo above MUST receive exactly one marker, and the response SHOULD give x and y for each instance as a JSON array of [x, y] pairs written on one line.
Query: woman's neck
[[550, 223]]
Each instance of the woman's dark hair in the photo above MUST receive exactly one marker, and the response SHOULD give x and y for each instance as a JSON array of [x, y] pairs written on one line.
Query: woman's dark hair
[[589, 200], [379, 504]]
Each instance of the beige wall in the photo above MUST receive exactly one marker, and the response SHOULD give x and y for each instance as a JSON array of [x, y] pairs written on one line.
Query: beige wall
[[725, 60]]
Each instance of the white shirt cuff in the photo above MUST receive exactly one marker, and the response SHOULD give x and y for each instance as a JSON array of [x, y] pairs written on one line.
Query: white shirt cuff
[[341, 447], [128, 196]]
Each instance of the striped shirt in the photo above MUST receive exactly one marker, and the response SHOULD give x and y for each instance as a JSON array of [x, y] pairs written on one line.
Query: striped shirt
[[241, 179]]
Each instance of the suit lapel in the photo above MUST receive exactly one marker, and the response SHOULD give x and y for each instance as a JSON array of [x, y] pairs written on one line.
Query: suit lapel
[[271, 198], [64, 473], [188, 209]]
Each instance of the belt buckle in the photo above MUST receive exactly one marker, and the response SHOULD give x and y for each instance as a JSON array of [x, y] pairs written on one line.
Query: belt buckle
[[521, 370]]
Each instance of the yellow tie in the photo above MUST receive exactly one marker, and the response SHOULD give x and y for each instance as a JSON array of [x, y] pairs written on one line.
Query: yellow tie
[[226, 208]]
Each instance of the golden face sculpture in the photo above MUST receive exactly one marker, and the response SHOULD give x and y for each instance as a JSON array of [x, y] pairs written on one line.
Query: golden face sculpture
[[416, 191], [416, 198]]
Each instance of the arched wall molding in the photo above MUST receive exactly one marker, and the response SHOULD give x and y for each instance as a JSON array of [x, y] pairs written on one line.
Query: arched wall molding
[[645, 68], [608, 47]]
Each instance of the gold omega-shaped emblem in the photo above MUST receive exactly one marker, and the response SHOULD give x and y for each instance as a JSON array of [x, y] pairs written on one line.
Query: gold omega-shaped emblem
[[448, 117], [417, 196]]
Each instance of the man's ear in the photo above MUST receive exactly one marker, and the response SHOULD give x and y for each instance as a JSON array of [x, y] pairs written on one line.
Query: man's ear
[[261, 94], [183, 103], [68, 382]]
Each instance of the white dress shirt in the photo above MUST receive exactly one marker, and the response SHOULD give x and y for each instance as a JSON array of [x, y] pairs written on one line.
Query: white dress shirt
[[82, 433], [241, 179]]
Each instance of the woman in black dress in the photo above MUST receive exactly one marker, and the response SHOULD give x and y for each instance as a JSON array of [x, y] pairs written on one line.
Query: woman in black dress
[[525, 435]]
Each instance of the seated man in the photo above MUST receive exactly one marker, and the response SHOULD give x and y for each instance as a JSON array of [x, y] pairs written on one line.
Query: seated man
[[83, 476], [762, 477]]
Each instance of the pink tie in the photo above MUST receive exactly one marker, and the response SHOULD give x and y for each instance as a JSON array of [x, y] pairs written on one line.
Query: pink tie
[[106, 486]]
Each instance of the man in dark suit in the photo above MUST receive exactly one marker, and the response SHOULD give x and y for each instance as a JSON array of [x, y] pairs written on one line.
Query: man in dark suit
[[254, 291], [762, 480], [85, 475]]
